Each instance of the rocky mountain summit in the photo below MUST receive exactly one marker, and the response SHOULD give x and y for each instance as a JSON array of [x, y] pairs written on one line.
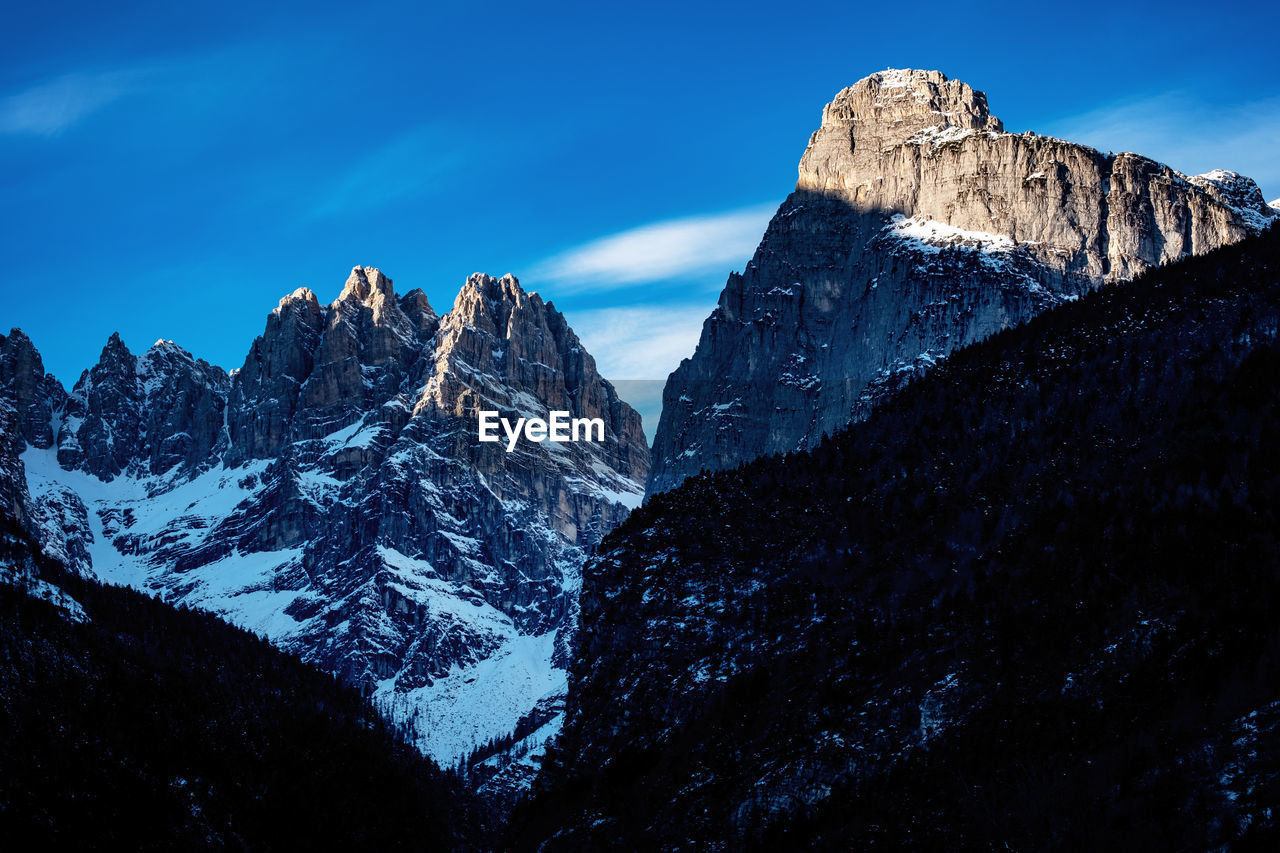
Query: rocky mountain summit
[[331, 493], [918, 225]]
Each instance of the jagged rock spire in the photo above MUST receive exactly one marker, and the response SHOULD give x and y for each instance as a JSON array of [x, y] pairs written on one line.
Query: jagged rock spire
[[37, 397], [144, 414]]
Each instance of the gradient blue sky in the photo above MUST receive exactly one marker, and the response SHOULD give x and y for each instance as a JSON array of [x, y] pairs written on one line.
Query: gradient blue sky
[[170, 170]]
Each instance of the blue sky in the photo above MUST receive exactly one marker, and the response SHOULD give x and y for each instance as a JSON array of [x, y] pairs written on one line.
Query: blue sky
[[171, 170]]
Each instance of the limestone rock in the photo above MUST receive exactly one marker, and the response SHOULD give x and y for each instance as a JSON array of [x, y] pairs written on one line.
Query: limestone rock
[[265, 393], [918, 225]]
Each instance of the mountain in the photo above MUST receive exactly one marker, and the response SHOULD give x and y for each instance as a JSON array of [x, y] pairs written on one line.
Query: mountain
[[331, 493], [918, 225], [1028, 604], [129, 724]]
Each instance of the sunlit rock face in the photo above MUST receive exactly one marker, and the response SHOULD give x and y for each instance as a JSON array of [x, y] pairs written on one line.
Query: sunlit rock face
[[918, 225]]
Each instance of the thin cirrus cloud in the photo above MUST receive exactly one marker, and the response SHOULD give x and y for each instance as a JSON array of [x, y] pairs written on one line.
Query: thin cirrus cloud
[[639, 341], [1189, 133], [52, 106], [637, 346], [662, 250], [415, 163]]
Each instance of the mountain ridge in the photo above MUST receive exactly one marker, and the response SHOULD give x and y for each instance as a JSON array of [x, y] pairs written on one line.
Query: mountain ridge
[[330, 492]]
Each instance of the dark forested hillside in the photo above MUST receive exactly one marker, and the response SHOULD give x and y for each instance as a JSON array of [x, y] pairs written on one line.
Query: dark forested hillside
[[127, 724], [1030, 604]]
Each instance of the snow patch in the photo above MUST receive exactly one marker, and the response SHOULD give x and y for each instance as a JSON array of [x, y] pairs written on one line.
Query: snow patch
[[932, 236], [473, 705], [1238, 193], [43, 590]]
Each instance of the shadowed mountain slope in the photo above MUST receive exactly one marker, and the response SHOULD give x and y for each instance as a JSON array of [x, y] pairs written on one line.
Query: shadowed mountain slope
[[1030, 603]]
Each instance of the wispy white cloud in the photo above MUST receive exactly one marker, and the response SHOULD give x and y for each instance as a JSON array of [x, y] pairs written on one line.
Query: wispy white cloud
[[637, 346], [1188, 132], [645, 396], [639, 341], [51, 106], [662, 250], [410, 165]]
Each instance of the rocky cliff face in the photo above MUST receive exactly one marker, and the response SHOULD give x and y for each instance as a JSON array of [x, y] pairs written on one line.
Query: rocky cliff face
[[918, 225], [331, 493], [35, 397], [31, 404]]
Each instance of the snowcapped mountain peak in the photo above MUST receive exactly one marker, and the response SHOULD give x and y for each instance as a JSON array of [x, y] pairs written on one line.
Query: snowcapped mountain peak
[[159, 363], [1220, 176], [142, 415], [16, 337], [35, 397], [489, 303], [332, 492], [504, 288], [1241, 194], [415, 306], [896, 77]]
